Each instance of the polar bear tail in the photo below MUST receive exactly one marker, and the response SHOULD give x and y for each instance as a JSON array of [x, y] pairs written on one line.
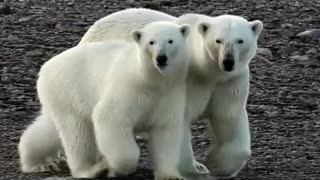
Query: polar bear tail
[[40, 146]]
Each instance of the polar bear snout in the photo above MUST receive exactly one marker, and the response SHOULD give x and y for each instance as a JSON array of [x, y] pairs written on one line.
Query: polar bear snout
[[162, 60], [228, 62]]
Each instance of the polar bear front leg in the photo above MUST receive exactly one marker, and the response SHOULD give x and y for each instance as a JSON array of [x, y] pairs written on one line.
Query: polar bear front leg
[[165, 145], [188, 164], [166, 137], [78, 140], [229, 122], [113, 126]]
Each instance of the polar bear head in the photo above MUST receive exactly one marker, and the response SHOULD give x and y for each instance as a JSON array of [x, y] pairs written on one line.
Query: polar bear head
[[163, 44], [231, 41]]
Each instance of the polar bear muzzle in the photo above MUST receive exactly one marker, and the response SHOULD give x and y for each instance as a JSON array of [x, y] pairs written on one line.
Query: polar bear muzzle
[[162, 61], [228, 62]]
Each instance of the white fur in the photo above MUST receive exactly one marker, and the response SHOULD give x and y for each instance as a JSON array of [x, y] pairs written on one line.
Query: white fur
[[40, 146], [99, 94], [208, 84], [99, 32], [212, 92]]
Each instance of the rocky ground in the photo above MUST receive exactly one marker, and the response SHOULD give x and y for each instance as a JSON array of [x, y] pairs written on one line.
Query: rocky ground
[[284, 103]]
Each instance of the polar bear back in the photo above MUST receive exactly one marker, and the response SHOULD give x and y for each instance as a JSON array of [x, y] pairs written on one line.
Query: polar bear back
[[81, 71], [119, 25], [89, 59]]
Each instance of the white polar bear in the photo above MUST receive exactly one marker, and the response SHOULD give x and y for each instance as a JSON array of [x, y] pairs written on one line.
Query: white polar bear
[[213, 92], [99, 94], [221, 49]]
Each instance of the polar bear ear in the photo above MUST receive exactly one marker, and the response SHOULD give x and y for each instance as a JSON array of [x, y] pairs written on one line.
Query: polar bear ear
[[185, 30], [203, 28], [256, 27], [136, 35]]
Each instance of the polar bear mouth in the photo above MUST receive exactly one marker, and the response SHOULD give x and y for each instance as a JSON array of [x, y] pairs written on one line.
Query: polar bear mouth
[[162, 66]]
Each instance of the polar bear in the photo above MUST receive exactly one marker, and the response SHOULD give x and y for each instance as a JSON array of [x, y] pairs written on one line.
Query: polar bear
[[221, 49], [99, 95]]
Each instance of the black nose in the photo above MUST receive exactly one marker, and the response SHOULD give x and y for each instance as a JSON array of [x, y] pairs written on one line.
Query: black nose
[[162, 60], [228, 63]]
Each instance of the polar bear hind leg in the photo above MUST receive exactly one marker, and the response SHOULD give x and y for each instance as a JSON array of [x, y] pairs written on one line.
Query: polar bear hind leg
[[40, 147]]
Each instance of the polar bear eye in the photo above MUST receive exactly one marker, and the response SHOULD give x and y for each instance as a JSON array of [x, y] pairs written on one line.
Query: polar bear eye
[[218, 41], [170, 41], [240, 41], [151, 42]]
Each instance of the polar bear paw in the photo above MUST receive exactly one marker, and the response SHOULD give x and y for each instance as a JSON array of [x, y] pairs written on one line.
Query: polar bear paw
[[52, 166], [200, 168], [112, 174], [169, 178], [195, 169], [61, 155], [95, 171]]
